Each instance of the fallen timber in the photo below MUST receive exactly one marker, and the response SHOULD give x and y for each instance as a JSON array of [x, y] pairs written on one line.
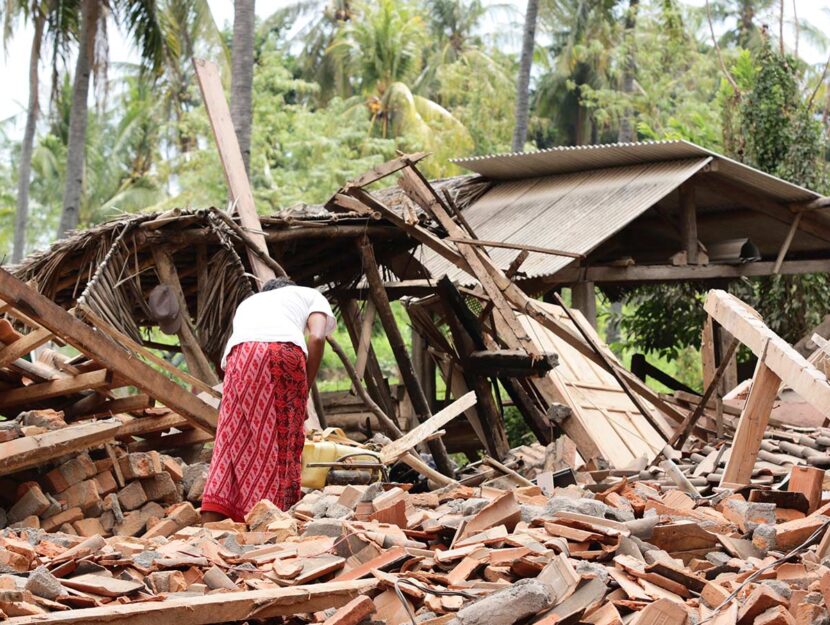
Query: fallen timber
[[581, 529]]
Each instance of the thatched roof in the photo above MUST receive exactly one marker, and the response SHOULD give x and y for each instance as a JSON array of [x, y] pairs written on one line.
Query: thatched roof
[[110, 267]]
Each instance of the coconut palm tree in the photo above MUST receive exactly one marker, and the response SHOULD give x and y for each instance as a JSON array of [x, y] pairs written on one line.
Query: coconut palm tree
[[56, 19], [523, 80], [139, 18], [383, 52], [242, 74]]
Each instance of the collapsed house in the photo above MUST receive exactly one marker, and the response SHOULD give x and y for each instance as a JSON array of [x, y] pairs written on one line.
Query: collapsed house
[[635, 506]]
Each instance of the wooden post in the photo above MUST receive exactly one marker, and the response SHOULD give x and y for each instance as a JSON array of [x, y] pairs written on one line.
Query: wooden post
[[584, 299], [707, 352], [424, 367], [372, 374], [688, 222], [197, 362], [785, 246], [228, 145], [751, 426], [396, 342]]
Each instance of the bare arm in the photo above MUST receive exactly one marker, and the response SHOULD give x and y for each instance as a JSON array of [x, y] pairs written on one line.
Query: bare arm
[[316, 343]]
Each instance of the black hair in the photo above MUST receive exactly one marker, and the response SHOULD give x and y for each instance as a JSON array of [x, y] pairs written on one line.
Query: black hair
[[277, 283]]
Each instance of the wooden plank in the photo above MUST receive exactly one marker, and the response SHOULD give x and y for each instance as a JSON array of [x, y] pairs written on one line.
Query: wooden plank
[[385, 169], [226, 607], [232, 164], [23, 346], [394, 450], [751, 426], [745, 324], [31, 451], [62, 386], [103, 350]]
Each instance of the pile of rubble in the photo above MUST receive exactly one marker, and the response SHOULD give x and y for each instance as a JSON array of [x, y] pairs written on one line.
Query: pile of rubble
[[459, 554], [115, 494]]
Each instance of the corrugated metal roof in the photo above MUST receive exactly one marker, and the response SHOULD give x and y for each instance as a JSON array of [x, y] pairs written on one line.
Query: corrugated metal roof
[[574, 212], [561, 160]]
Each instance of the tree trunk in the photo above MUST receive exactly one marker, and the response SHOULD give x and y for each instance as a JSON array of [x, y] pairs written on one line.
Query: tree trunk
[[242, 75], [523, 83], [627, 133], [90, 11], [22, 215]]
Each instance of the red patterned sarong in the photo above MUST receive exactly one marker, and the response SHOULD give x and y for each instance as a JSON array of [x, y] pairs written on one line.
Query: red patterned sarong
[[259, 438]]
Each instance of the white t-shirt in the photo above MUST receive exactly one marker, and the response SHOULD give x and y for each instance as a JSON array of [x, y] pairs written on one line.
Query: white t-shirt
[[278, 316]]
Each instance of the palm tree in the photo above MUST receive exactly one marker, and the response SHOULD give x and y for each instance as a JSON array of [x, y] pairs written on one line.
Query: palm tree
[[523, 81], [57, 18], [242, 74], [383, 53], [140, 20], [36, 14], [584, 36], [626, 133]]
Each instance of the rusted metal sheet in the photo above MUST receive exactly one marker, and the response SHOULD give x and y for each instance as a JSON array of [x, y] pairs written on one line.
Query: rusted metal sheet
[[574, 211]]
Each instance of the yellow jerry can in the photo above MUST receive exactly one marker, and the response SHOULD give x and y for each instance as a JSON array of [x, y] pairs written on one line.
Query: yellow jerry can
[[329, 446]]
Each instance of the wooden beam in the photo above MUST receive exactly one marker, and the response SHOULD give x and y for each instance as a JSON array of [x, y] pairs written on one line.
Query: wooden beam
[[749, 197], [751, 426], [515, 246], [688, 222], [365, 341], [372, 375], [86, 313], [226, 607], [785, 246], [197, 362], [404, 362], [23, 346], [467, 339], [508, 326], [606, 274], [35, 393], [100, 348], [31, 451], [227, 143], [385, 169], [584, 299], [746, 325]]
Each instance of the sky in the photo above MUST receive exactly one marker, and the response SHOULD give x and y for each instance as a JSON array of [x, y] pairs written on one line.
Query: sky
[[14, 63]]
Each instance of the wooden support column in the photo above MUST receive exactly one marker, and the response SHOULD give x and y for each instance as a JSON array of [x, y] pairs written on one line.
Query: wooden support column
[[584, 299], [688, 222], [751, 426], [424, 367], [396, 342], [197, 362], [372, 374]]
